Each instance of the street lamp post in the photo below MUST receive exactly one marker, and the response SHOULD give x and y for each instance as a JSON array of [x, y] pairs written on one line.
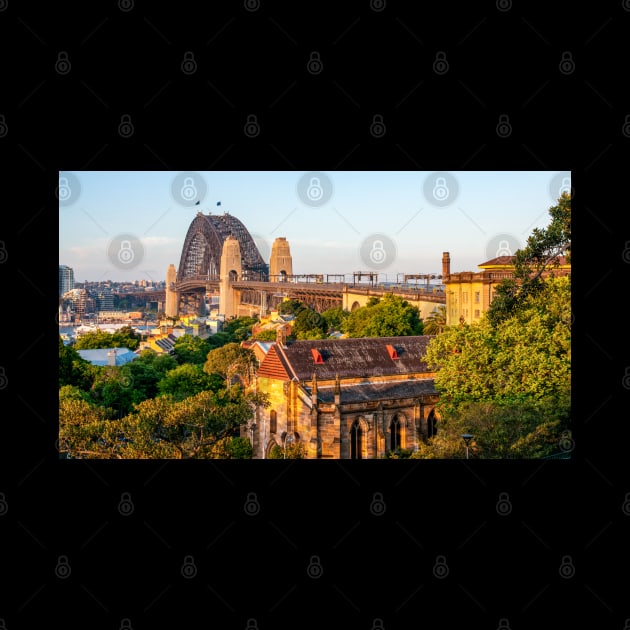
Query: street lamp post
[[467, 437], [287, 438]]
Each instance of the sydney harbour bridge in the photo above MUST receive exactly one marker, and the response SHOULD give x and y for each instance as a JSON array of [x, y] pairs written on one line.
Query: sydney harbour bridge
[[219, 256]]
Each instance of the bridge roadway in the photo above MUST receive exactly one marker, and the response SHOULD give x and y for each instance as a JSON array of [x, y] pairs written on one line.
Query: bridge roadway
[[318, 295]]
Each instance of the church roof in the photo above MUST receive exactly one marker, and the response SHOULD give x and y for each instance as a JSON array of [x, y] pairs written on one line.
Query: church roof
[[346, 358], [385, 390]]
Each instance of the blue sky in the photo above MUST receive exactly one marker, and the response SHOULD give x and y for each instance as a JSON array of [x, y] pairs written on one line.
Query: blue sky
[[130, 225]]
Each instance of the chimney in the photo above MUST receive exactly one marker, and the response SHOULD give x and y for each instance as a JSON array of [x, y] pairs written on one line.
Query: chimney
[[337, 390], [446, 265], [111, 357], [281, 336]]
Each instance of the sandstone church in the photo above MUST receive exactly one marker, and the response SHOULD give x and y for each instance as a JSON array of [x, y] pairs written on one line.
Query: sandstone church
[[355, 398]]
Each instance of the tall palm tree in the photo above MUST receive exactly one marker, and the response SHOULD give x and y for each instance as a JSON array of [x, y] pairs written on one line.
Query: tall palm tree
[[435, 323]]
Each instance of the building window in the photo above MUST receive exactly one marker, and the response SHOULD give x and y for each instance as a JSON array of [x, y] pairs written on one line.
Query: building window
[[431, 425], [477, 313], [476, 297], [465, 298], [273, 422], [394, 429], [356, 440]]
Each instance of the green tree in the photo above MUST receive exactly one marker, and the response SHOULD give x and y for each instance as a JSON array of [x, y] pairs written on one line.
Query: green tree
[[389, 317], [191, 349], [73, 368], [529, 429], [232, 448], [290, 306], [265, 335], [187, 380], [124, 337], [296, 450], [84, 429], [231, 361], [309, 324], [540, 255], [506, 383], [160, 428], [239, 328], [435, 323], [112, 390], [334, 317]]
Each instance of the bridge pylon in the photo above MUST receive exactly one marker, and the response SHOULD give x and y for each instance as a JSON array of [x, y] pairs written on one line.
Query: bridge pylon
[[171, 307], [231, 271]]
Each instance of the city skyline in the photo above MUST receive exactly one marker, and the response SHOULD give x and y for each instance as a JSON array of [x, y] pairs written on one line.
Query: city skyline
[[131, 225]]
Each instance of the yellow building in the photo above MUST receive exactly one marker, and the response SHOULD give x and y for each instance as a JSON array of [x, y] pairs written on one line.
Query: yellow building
[[468, 294]]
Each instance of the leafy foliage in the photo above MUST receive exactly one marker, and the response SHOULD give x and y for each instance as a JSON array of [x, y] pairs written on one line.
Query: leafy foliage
[[124, 337], [509, 383], [187, 380], [196, 427], [389, 317], [295, 450], [539, 256], [231, 361]]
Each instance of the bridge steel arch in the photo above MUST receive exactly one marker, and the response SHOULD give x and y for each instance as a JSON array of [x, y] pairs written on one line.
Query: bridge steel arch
[[201, 253]]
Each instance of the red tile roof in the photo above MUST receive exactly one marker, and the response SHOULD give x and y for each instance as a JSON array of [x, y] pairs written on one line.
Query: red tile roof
[[349, 358]]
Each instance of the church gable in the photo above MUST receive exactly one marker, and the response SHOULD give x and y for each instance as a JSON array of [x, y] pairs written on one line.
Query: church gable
[[274, 366]]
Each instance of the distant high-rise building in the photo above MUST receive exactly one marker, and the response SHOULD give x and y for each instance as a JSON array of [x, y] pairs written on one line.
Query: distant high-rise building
[[66, 279]]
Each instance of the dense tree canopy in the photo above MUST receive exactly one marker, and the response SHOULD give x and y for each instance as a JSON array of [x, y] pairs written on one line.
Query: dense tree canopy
[[200, 426], [124, 337], [231, 361], [390, 316], [540, 256], [509, 382]]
